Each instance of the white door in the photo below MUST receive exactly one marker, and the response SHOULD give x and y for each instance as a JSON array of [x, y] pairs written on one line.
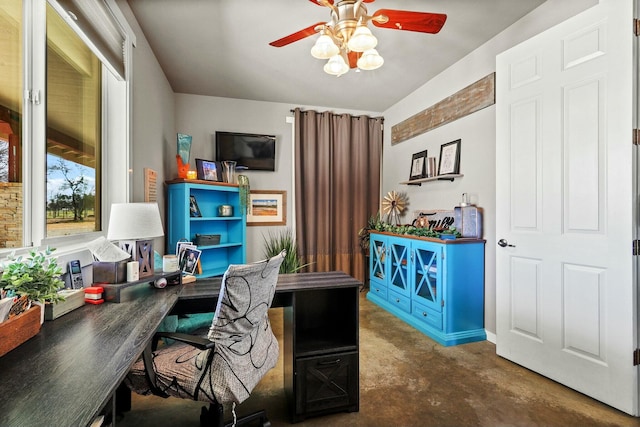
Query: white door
[[566, 283]]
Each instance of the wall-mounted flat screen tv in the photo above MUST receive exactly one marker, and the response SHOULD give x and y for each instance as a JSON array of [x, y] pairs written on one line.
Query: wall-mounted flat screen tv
[[250, 151]]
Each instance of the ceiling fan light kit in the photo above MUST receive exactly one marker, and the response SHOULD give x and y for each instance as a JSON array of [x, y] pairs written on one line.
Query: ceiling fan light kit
[[370, 60], [362, 39], [347, 42], [324, 48], [336, 66]]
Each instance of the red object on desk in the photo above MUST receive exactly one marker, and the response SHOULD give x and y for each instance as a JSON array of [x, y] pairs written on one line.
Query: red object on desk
[[93, 295]]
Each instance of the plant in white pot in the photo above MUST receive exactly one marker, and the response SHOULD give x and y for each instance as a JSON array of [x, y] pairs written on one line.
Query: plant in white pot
[[35, 277]]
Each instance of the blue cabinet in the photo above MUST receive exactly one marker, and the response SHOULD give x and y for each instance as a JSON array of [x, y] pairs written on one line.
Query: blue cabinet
[[434, 285], [231, 249]]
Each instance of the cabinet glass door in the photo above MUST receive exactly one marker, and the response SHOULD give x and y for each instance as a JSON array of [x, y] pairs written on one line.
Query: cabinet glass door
[[378, 258], [399, 258], [428, 275]]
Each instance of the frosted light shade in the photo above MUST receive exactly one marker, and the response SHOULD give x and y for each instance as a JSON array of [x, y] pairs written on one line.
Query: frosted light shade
[[370, 60], [134, 221], [362, 39], [324, 48], [336, 66]]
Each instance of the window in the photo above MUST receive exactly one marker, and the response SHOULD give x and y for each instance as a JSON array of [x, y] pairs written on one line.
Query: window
[[73, 131], [11, 71], [60, 147]]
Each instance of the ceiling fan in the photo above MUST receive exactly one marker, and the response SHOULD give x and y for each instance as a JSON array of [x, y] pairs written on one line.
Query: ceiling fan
[[346, 38]]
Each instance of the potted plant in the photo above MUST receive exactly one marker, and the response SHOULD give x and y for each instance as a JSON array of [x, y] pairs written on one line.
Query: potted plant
[[276, 242], [374, 223], [34, 278]]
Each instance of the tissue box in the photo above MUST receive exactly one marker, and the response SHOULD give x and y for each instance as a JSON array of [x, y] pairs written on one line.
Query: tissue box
[[110, 272], [73, 298]]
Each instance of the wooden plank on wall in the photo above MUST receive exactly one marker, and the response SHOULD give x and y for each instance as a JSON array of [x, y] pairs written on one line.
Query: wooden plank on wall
[[472, 98], [150, 185]]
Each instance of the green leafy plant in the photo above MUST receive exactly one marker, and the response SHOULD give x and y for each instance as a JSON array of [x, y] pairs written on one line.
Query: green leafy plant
[[373, 223], [36, 276], [274, 243], [409, 230]]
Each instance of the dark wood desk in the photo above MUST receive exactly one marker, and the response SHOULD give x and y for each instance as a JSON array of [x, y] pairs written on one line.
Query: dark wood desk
[[66, 374]]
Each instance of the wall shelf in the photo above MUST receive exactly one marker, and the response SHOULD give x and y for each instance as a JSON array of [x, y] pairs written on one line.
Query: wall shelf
[[448, 177]]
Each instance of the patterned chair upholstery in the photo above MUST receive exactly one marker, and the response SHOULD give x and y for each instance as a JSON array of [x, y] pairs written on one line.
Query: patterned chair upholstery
[[226, 363]]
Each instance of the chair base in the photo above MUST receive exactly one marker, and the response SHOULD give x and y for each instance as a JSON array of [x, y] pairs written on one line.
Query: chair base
[[214, 417]]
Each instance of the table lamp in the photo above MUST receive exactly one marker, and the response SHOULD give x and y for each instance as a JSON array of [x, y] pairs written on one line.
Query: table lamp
[[134, 226]]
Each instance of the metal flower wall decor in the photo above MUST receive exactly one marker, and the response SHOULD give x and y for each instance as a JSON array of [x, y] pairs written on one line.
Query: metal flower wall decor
[[393, 205]]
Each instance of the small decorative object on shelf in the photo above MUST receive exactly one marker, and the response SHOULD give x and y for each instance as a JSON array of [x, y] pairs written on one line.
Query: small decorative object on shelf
[[245, 190], [182, 158], [194, 210]]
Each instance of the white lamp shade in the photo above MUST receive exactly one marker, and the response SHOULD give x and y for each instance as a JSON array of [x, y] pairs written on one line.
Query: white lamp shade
[[134, 221], [370, 60], [324, 48], [362, 39], [336, 66]]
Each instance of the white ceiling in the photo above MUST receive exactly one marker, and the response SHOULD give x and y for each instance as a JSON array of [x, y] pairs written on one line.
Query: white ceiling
[[221, 48]]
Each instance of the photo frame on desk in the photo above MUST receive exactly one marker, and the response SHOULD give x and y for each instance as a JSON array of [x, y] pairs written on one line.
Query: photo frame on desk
[[418, 169], [449, 158], [209, 170], [267, 207], [190, 260]]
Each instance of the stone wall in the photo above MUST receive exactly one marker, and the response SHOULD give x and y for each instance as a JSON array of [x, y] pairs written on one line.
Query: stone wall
[[10, 214]]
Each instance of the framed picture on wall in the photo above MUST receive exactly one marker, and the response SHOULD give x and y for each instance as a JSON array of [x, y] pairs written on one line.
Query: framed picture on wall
[[449, 158], [418, 165], [267, 207]]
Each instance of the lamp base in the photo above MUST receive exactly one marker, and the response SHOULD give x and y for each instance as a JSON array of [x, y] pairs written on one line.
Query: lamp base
[[141, 251]]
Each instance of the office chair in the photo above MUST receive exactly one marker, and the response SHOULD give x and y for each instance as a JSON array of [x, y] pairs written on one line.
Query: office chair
[[225, 364]]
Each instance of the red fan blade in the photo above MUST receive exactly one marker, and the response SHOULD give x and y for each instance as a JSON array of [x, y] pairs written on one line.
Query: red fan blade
[[331, 2], [309, 31], [421, 22]]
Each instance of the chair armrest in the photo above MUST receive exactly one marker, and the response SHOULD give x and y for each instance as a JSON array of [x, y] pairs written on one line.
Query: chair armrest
[[194, 340]]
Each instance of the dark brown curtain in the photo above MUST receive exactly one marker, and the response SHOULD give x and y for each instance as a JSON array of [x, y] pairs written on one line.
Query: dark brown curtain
[[337, 187]]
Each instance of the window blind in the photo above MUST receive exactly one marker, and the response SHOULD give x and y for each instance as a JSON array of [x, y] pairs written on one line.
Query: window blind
[[99, 28]]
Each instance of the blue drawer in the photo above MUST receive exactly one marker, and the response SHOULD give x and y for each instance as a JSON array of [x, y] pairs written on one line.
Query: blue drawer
[[427, 315], [400, 301], [378, 290]]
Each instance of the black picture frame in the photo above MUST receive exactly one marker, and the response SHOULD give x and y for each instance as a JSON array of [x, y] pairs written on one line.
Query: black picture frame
[[209, 170], [418, 162], [449, 162], [190, 260], [194, 209]]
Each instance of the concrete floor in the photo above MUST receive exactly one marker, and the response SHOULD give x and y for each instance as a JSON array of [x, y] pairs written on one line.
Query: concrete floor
[[406, 379]]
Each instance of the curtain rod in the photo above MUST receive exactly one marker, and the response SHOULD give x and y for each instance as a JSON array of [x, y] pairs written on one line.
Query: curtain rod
[[378, 117]]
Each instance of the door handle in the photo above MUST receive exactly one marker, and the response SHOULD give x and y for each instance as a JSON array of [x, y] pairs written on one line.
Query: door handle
[[503, 243]]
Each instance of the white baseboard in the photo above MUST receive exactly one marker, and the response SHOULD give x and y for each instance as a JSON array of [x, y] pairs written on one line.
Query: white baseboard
[[491, 337]]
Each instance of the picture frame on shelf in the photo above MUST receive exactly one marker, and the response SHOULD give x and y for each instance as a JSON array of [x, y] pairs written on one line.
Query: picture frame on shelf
[[267, 207], [209, 170], [418, 165], [449, 158], [194, 209]]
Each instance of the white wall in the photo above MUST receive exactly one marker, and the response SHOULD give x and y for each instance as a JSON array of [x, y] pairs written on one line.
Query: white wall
[[153, 120], [477, 132], [201, 116]]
